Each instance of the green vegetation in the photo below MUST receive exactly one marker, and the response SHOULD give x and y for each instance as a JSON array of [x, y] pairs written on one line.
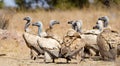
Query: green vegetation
[[117, 2], [1, 4], [69, 4]]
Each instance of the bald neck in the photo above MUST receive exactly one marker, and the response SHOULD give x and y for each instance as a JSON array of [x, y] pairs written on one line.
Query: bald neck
[[39, 30], [27, 25]]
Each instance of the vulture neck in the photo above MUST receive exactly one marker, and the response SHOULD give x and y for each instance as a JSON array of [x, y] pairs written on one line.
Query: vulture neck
[[39, 30], [27, 25], [101, 28], [105, 24]]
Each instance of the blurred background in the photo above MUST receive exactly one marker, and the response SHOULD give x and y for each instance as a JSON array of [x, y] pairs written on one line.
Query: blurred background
[[12, 12], [57, 4]]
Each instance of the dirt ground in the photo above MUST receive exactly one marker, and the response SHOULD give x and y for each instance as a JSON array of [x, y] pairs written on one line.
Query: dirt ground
[[9, 61]]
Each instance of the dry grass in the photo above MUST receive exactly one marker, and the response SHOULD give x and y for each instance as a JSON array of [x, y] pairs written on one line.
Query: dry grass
[[13, 49], [5, 16], [89, 18]]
